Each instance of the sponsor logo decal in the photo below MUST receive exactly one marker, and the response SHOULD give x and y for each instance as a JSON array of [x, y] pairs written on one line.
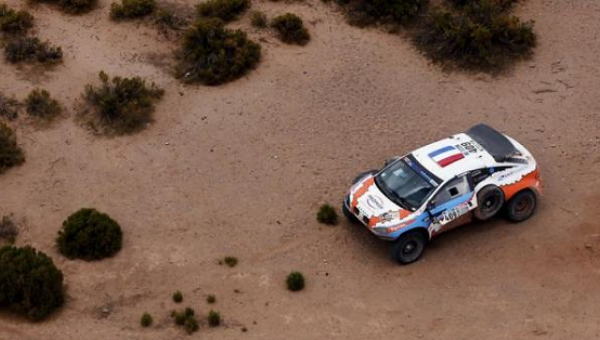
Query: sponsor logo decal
[[374, 202]]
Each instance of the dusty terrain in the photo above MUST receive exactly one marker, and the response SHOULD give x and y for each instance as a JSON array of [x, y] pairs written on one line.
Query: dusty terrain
[[247, 164]]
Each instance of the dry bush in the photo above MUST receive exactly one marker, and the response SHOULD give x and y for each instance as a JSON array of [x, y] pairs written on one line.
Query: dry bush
[[226, 10], [10, 153], [258, 19], [131, 9], [71, 6], [28, 49], [9, 107], [8, 229], [39, 104], [290, 29], [481, 35], [14, 22], [369, 12], [122, 105], [212, 54]]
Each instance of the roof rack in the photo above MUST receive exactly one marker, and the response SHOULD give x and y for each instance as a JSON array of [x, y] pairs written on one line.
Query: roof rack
[[494, 142]]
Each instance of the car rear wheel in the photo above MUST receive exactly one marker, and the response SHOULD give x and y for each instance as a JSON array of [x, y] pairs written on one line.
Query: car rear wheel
[[521, 206], [409, 247], [490, 200]]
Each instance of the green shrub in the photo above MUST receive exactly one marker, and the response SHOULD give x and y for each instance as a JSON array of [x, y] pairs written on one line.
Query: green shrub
[[71, 6], [166, 19], [30, 283], [8, 229], [226, 10], [39, 104], [187, 319], [291, 29], [191, 324], [14, 22], [90, 235], [10, 153], [129, 9], [179, 318], [502, 4], [177, 297], [295, 281], [213, 55], [146, 320], [258, 19], [214, 318], [27, 49], [231, 261], [369, 12], [9, 107], [327, 215], [482, 36], [122, 105], [211, 299]]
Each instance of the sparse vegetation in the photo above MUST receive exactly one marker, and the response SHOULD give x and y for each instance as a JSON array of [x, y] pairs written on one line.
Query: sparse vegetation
[[187, 319], [166, 19], [211, 299], [39, 104], [291, 29], [14, 22], [327, 215], [258, 19], [10, 153], [131, 9], [177, 297], [30, 283], [27, 49], [214, 55], [231, 261], [71, 6], [191, 324], [503, 4], [368, 12], [214, 318], [481, 35], [146, 320], [226, 10], [9, 107], [90, 235], [8, 229], [295, 281], [122, 105]]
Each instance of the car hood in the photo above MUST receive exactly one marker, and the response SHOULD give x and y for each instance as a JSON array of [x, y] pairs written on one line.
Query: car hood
[[375, 205]]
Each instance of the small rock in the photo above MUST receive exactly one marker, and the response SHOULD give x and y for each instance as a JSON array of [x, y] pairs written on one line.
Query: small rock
[[166, 143], [588, 246], [105, 311]]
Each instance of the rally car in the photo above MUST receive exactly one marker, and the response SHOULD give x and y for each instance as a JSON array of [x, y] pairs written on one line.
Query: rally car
[[474, 174]]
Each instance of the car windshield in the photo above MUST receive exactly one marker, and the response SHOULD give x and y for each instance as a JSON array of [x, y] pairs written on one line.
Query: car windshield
[[404, 185]]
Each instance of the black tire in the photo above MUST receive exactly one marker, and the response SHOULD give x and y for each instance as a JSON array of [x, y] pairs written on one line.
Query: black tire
[[349, 216], [521, 206], [363, 175], [409, 247], [490, 200]]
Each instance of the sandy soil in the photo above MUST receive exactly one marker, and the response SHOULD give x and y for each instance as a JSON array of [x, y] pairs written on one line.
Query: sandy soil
[[247, 164]]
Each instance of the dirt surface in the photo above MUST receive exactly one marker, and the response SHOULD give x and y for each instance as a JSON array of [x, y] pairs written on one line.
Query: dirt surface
[[240, 170]]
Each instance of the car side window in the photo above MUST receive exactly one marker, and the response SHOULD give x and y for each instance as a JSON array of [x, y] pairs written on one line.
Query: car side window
[[480, 175], [455, 188]]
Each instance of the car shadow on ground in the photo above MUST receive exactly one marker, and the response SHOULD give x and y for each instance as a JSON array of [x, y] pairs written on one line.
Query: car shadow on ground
[[446, 246]]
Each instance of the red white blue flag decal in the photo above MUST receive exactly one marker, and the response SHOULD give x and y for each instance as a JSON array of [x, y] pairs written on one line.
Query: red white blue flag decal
[[446, 156]]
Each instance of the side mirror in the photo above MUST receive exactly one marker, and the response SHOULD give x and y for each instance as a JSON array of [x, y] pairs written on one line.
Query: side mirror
[[391, 160], [431, 205]]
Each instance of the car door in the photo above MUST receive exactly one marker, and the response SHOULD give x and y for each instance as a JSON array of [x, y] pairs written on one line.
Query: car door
[[451, 205]]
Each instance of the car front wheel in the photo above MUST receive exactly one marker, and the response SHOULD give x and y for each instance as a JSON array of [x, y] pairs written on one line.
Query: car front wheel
[[409, 247]]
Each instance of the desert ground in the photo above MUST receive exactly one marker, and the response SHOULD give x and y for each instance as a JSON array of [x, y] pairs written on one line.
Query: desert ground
[[241, 169]]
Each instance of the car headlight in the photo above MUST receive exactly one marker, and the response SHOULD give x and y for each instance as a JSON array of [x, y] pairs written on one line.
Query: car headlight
[[382, 230]]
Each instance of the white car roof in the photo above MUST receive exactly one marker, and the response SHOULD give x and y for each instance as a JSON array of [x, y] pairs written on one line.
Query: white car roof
[[453, 156]]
